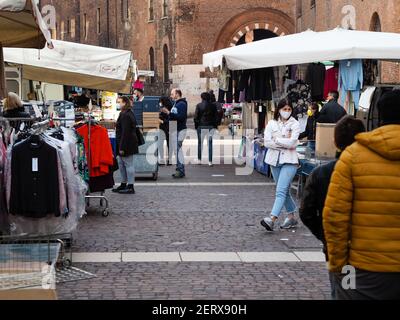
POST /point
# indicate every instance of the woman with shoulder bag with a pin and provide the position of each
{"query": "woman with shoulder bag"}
(127, 146)
(281, 138)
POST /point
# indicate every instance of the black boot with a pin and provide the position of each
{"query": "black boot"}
(128, 190)
(121, 187)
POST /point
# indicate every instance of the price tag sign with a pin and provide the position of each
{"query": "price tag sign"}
(35, 165)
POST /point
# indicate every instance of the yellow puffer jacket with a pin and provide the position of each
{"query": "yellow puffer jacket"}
(362, 210)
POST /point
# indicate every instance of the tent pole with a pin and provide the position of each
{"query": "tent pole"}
(3, 88)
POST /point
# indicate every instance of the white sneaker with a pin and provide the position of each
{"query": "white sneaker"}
(268, 224)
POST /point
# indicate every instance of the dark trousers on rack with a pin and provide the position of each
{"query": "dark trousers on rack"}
(221, 96)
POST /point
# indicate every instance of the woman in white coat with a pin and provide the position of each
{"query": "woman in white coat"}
(281, 138)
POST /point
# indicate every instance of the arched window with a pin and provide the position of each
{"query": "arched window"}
(375, 23)
(166, 63)
(152, 63)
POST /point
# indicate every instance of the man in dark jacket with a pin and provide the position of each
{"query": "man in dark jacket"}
(316, 189)
(311, 128)
(205, 120)
(332, 112)
(178, 114)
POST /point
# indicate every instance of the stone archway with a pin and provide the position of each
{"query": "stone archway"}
(261, 18)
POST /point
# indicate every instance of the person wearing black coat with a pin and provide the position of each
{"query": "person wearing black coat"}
(165, 102)
(205, 119)
(316, 189)
(127, 146)
(332, 112)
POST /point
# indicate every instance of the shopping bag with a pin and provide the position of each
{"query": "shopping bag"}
(140, 137)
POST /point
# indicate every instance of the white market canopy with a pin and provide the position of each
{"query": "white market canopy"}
(308, 47)
(75, 64)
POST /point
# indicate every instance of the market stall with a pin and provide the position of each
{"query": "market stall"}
(355, 54)
(21, 26)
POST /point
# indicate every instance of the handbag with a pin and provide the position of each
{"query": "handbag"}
(140, 137)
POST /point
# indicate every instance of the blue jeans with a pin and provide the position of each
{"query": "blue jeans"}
(283, 176)
(201, 134)
(127, 169)
(180, 166)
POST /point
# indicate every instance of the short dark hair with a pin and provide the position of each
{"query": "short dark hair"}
(166, 102)
(389, 107)
(206, 96)
(346, 130)
(334, 94)
(283, 103)
(139, 90)
(314, 106)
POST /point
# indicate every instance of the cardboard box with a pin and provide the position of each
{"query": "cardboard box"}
(325, 141)
(28, 294)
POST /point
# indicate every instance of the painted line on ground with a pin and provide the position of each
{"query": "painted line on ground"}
(206, 184)
(181, 257)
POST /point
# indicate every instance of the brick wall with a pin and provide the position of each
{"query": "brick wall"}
(328, 15)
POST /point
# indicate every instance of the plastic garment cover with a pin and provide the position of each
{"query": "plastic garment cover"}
(75, 189)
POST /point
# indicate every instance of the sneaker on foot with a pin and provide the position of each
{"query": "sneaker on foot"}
(268, 224)
(289, 223)
(210, 164)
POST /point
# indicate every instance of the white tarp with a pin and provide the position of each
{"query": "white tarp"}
(75, 64)
(307, 47)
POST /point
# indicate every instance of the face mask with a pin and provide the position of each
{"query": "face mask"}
(118, 106)
(310, 113)
(285, 115)
(161, 105)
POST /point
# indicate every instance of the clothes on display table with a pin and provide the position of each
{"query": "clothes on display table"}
(351, 79)
(101, 153)
(331, 81)
(315, 77)
(259, 84)
(43, 187)
(299, 94)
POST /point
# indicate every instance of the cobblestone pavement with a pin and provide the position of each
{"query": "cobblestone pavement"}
(202, 281)
(172, 217)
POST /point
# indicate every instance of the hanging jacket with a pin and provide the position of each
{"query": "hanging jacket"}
(362, 211)
(281, 139)
(315, 77)
(125, 133)
(34, 180)
(101, 153)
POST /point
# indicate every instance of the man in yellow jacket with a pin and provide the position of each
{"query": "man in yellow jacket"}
(361, 217)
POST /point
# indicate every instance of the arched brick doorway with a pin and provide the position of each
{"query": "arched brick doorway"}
(275, 21)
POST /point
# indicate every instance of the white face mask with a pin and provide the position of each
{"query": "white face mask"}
(285, 115)
(161, 105)
(118, 106)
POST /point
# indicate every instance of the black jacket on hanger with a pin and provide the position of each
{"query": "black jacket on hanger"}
(258, 83)
(34, 179)
(315, 77)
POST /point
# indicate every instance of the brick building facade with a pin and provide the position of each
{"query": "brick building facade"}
(170, 36)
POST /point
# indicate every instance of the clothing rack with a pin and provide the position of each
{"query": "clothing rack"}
(103, 199)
